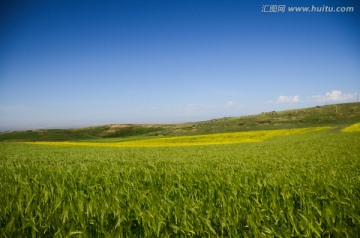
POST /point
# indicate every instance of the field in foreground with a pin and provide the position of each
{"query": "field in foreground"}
(298, 185)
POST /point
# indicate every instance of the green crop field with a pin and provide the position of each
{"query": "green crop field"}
(298, 185)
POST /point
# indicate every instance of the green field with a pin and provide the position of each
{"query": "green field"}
(299, 185)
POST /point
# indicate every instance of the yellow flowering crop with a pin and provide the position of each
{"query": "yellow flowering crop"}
(352, 128)
(210, 139)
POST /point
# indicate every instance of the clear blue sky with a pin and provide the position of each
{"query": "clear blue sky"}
(78, 63)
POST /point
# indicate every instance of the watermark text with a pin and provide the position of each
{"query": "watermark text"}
(310, 9)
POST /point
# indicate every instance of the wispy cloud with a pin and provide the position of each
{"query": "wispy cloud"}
(333, 96)
(288, 99)
(231, 104)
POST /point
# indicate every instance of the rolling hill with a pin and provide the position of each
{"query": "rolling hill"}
(338, 115)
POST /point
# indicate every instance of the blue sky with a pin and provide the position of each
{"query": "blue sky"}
(80, 63)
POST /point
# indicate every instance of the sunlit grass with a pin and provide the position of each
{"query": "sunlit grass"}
(352, 128)
(210, 139)
(303, 185)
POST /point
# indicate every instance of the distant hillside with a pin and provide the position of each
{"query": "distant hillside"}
(338, 115)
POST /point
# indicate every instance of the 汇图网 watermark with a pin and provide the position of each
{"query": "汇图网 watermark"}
(313, 8)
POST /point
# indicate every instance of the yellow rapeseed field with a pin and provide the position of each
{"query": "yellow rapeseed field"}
(210, 139)
(352, 128)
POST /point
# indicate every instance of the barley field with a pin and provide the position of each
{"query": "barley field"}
(295, 185)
